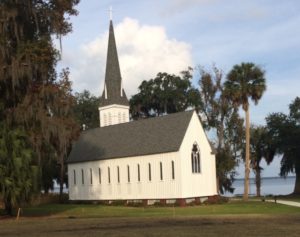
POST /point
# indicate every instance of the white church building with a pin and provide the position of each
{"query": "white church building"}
(163, 158)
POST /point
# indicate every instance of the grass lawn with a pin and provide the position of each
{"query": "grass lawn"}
(236, 218)
(98, 211)
(294, 198)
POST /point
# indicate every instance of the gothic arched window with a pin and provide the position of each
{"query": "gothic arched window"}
(195, 159)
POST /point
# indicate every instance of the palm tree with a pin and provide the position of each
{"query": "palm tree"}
(261, 147)
(245, 81)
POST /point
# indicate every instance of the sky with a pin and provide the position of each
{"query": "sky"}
(169, 35)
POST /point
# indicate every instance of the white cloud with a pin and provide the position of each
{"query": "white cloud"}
(143, 52)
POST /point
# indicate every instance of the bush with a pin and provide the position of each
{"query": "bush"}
(217, 199)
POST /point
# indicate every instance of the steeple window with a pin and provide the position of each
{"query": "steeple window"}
(109, 118)
(119, 117)
(105, 119)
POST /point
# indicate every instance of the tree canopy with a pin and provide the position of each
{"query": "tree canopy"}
(221, 118)
(32, 99)
(285, 132)
(165, 94)
(86, 109)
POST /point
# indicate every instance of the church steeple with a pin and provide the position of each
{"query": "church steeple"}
(113, 92)
(114, 105)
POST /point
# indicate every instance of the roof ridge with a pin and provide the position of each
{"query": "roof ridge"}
(143, 120)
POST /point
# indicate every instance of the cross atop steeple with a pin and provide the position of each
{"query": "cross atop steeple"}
(110, 13)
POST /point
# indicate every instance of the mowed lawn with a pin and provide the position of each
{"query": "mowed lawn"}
(231, 219)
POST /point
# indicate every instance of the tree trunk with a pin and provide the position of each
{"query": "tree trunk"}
(221, 136)
(61, 181)
(218, 184)
(297, 183)
(247, 158)
(257, 180)
(8, 206)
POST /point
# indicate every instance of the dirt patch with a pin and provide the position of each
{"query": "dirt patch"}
(177, 226)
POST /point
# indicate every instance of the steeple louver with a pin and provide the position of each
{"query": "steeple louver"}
(113, 92)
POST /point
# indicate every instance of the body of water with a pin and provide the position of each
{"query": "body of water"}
(269, 186)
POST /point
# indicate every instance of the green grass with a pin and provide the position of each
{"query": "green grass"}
(237, 218)
(292, 197)
(92, 210)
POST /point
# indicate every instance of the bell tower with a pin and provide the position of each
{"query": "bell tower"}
(114, 105)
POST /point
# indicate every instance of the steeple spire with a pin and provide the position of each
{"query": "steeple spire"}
(114, 106)
(113, 92)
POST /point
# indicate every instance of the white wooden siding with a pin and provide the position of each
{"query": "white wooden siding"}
(203, 183)
(143, 189)
(113, 114)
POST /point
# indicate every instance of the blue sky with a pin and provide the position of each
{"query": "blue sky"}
(169, 35)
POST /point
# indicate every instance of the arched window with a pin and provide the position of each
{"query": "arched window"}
(108, 172)
(99, 175)
(173, 170)
(128, 173)
(149, 169)
(91, 176)
(161, 170)
(195, 159)
(138, 171)
(118, 173)
(82, 176)
(74, 176)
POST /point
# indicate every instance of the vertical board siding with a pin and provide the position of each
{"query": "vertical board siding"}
(135, 170)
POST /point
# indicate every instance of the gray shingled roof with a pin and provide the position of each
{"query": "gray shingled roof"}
(113, 80)
(142, 137)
